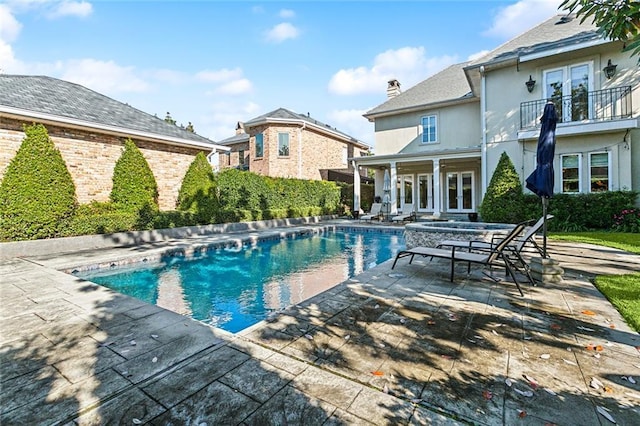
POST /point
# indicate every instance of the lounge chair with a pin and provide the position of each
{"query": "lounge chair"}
(407, 213)
(375, 213)
(496, 256)
(517, 245)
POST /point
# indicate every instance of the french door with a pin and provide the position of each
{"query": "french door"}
(568, 88)
(425, 192)
(460, 191)
(405, 190)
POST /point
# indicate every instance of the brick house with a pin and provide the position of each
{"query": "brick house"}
(89, 129)
(283, 143)
(440, 141)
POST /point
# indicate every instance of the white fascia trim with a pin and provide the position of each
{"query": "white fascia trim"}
(375, 160)
(111, 129)
(564, 49)
(572, 129)
(307, 123)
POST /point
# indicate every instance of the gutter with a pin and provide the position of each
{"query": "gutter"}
(119, 131)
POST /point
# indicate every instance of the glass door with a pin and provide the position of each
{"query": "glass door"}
(405, 190)
(425, 192)
(460, 192)
(568, 88)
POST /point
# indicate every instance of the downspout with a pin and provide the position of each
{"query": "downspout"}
(483, 118)
(304, 125)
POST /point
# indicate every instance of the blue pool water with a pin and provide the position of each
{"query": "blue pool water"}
(234, 289)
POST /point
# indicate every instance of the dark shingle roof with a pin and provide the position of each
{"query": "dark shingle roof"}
(65, 100)
(449, 84)
(556, 32)
(282, 114)
(242, 137)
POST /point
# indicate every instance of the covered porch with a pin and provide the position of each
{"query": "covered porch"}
(446, 182)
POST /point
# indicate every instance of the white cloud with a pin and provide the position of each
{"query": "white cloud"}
(9, 25)
(81, 9)
(103, 76)
(287, 14)
(235, 87)
(220, 75)
(282, 32)
(517, 18)
(351, 122)
(220, 118)
(409, 65)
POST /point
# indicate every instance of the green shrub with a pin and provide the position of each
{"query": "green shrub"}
(100, 218)
(197, 193)
(134, 186)
(504, 200)
(37, 193)
(583, 212)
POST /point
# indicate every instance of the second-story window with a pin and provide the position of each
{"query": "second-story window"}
(568, 87)
(429, 129)
(345, 155)
(259, 145)
(241, 157)
(283, 144)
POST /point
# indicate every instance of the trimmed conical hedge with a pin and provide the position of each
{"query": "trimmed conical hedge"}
(197, 193)
(134, 186)
(37, 193)
(504, 200)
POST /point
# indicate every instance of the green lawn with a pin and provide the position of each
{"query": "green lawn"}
(623, 291)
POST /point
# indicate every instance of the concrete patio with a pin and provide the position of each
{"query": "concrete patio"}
(402, 346)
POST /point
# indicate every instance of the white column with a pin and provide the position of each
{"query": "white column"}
(437, 191)
(378, 183)
(393, 173)
(356, 187)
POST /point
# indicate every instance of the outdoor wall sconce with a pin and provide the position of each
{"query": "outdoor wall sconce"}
(530, 84)
(609, 70)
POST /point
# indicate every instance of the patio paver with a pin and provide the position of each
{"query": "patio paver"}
(402, 346)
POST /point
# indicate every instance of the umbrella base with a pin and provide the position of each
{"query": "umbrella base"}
(546, 270)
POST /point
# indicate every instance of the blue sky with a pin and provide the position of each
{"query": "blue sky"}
(215, 63)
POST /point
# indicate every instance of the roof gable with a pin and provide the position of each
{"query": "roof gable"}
(63, 100)
(449, 85)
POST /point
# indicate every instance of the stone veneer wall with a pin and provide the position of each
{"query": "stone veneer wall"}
(91, 156)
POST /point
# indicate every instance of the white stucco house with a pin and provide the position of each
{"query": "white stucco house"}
(441, 140)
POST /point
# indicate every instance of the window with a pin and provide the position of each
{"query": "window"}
(345, 155)
(599, 171)
(283, 144)
(241, 157)
(570, 173)
(568, 88)
(259, 145)
(429, 129)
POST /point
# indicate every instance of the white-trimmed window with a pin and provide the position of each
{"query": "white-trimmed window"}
(599, 171)
(429, 126)
(571, 166)
(568, 87)
(283, 144)
(345, 155)
(259, 145)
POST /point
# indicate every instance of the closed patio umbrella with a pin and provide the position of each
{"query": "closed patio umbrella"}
(540, 182)
(386, 189)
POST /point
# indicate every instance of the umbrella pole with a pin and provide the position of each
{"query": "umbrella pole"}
(545, 203)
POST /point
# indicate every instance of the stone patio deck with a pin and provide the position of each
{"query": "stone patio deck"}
(402, 346)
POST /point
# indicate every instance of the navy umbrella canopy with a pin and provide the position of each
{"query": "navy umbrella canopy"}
(540, 182)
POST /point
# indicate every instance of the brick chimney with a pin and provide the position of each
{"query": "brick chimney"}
(393, 89)
(240, 128)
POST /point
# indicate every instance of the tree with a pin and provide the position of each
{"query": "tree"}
(504, 200)
(616, 19)
(197, 193)
(134, 186)
(169, 119)
(37, 193)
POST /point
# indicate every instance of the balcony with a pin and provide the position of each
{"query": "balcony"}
(581, 107)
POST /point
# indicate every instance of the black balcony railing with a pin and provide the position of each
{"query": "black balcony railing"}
(601, 105)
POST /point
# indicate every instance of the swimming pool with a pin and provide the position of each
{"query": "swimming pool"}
(235, 288)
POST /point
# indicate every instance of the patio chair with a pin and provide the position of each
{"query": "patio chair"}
(407, 213)
(517, 246)
(374, 213)
(496, 256)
